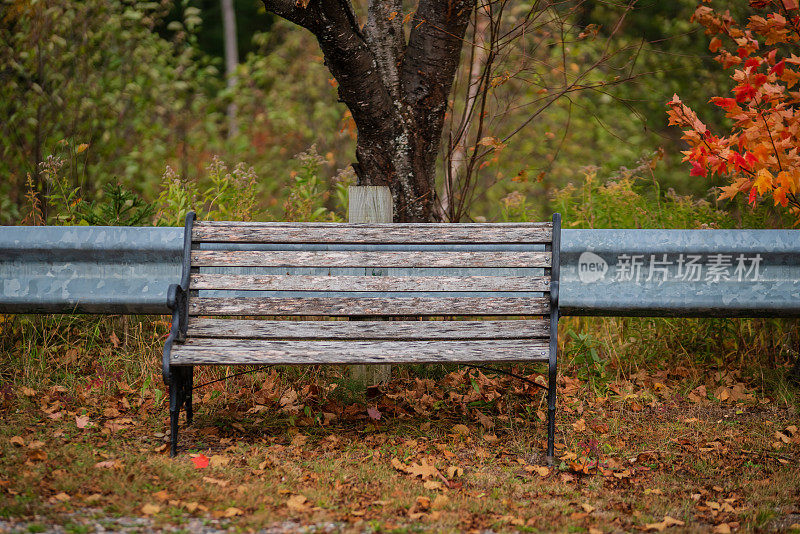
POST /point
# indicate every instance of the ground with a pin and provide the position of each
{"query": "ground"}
(461, 451)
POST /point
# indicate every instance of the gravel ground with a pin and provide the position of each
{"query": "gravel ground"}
(95, 525)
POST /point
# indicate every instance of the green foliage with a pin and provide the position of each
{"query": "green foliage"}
(306, 198)
(176, 199)
(583, 352)
(632, 198)
(93, 71)
(516, 207)
(231, 195)
(117, 207)
(64, 203)
(309, 197)
(219, 195)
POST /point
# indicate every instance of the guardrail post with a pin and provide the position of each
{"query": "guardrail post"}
(370, 204)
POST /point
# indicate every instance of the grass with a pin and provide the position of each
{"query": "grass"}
(453, 450)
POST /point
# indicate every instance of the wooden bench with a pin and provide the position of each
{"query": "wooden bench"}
(434, 279)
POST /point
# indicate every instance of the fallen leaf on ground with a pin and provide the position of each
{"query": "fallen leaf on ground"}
(17, 441)
(424, 470)
(432, 485)
(782, 437)
(722, 528)
(232, 512)
(200, 461)
(665, 524)
(454, 471)
(218, 460)
(373, 413)
(297, 503)
(63, 497)
(81, 421)
(485, 421)
(699, 395)
(540, 470)
(150, 509)
(579, 425)
(37, 455)
(461, 430)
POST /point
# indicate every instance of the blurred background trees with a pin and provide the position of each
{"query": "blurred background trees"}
(116, 91)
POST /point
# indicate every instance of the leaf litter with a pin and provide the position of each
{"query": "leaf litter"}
(461, 453)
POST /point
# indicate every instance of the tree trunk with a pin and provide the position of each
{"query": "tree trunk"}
(231, 59)
(396, 90)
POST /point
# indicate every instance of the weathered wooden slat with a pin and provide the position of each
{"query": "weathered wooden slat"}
(368, 283)
(360, 306)
(388, 330)
(385, 226)
(366, 234)
(237, 351)
(353, 258)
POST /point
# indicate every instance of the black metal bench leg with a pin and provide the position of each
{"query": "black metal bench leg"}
(551, 416)
(175, 398)
(188, 385)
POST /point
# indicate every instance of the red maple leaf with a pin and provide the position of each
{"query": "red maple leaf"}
(778, 68)
(200, 461)
(744, 92)
(725, 103)
(698, 170)
(752, 62)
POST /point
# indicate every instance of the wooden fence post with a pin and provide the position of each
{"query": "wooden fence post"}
(370, 204)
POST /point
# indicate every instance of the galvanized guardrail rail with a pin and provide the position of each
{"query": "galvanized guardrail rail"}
(708, 273)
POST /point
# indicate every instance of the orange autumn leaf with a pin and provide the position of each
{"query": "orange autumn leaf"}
(779, 195)
(787, 181)
(763, 181)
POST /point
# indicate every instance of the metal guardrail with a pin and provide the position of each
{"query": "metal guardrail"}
(709, 273)
(88, 269)
(681, 273)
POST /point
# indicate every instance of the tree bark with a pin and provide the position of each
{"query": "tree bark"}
(231, 59)
(397, 91)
